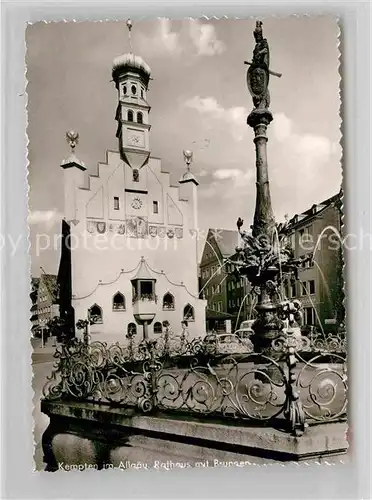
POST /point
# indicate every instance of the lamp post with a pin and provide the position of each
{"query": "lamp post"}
(42, 326)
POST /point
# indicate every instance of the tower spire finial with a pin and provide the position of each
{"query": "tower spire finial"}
(73, 139)
(129, 26)
(187, 156)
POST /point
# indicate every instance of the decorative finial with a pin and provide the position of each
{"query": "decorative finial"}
(129, 26)
(73, 139)
(187, 156)
(258, 30)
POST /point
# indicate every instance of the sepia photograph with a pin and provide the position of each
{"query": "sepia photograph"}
(186, 242)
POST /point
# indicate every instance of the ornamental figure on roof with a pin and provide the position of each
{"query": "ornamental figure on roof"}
(259, 70)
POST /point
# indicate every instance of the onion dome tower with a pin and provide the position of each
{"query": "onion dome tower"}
(131, 75)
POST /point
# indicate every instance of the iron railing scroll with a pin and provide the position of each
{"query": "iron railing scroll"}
(305, 383)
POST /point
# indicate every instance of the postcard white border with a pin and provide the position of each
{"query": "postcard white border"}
(289, 481)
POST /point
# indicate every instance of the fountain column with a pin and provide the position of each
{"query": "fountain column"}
(262, 267)
(263, 222)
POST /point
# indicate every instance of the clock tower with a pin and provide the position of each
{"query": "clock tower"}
(131, 75)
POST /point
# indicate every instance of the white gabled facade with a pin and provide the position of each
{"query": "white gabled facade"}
(133, 234)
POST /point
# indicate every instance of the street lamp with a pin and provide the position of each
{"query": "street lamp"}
(42, 324)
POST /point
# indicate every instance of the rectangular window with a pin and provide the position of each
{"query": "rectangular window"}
(309, 316)
(311, 286)
(293, 290)
(155, 206)
(116, 203)
(304, 289)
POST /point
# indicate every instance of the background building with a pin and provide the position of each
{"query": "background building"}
(240, 300)
(33, 297)
(315, 232)
(45, 300)
(320, 286)
(219, 245)
(134, 247)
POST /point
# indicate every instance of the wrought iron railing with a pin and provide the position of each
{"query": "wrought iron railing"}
(300, 383)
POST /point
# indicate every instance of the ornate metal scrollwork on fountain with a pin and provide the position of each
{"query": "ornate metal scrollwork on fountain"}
(175, 374)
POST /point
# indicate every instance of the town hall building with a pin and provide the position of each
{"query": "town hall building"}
(129, 260)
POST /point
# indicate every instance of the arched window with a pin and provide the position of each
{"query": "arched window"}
(124, 89)
(139, 117)
(158, 328)
(142, 92)
(132, 329)
(168, 301)
(95, 314)
(134, 90)
(188, 313)
(130, 115)
(135, 175)
(118, 302)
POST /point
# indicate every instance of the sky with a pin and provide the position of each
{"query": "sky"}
(199, 101)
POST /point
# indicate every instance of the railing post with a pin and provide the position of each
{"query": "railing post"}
(293, 412)
(150, 366)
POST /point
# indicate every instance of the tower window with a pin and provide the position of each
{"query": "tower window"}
(139, 117)
(142, 92)
(135, 175)
(130, 115)
(124, 89)
(116, 203)
(155, 206)
(134, 89)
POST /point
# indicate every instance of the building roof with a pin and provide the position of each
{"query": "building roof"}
(73, 161)
(34, 285)
(315, 209)
(226, 239)
(130, 62)
(50, 281)
(188, 177)
(143, 272)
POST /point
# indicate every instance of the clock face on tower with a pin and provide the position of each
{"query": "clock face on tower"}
(136, 139)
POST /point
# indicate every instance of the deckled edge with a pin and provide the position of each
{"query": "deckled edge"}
(341, 142)
(342, 207)
(27, 172)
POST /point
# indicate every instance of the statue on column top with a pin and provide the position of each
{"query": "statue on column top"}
(259, 70)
